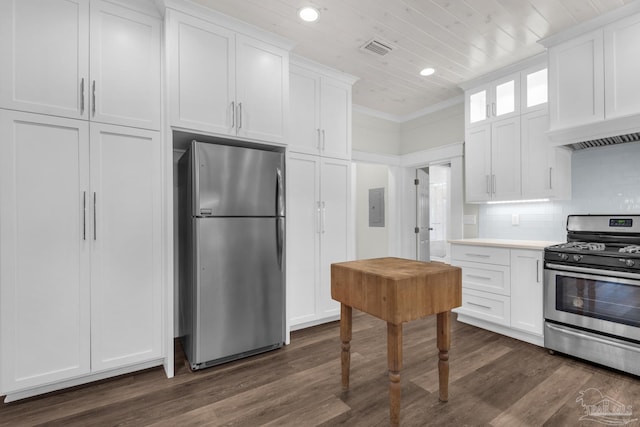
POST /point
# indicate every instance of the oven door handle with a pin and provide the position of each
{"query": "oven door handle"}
(592, 271)
(612, 342)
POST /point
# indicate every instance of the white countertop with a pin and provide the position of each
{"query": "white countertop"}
(506, 243)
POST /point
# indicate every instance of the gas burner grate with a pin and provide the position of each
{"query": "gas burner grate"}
(632, 249)
(588, 246)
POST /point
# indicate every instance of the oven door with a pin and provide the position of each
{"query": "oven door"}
(593, 299)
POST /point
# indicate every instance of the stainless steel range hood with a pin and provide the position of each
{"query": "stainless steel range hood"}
(601, 142)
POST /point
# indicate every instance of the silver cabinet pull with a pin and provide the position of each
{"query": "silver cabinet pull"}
(478, 305)
(550, 178)
(233, 114)
(318, 219)
(93, 94)
(473, 276)
(324, 140)
(493, 184)
(537, 271)
(318, 139)
(239, 115)
(324, 217)
(82, 96)
(95, 232)
(84, 215)
(488, 188)
(478, 255)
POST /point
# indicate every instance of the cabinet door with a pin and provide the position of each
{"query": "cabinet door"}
(526, 290)
(125, 236)
(125, 67)
(505, 159)
(621, 67)
(335, 116)
(477, 105)
(506, 97)
(262, 90)
(44, 250)
(44, 46)
(477, 158)
(201, 75)
(335, 230)
(304, 129)
(303, 237)
(576, 81)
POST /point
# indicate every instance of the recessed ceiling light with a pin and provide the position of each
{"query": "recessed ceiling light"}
(309, 14)
(427, 71)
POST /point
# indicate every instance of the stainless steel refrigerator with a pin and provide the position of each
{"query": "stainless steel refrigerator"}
(231, 237)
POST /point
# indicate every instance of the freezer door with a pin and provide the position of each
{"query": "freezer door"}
(237, 181)
(240, 286)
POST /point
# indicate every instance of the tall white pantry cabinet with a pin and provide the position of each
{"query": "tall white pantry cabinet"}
(81, 246)
(318, 188)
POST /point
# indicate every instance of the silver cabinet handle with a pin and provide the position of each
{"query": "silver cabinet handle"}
(93, 94)
(537, 271)
(550, 178)
(239, 115)
(95, 232)
(488, 188)
(84, 215)
(473, 276)
(324, 140)
(479, 305)
(324, 217)
(318, 139)
(82, 96)
(478, 255)
(493, 184)
(318, 219)
(233, 114)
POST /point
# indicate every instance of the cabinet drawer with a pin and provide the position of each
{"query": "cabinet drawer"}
(484, 254)
(486, 277)
(490, 307)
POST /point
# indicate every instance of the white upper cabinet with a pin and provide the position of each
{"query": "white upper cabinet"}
(496, 100)
(576, 81)
(320, 111)
(593, 77)
(224, 82)
(202, 75)
(80, 59)
(534, 89)
(125, 67)
(45, 56)
(622, 67)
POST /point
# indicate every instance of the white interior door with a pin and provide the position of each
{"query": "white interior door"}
(422, 215)
(439, 209)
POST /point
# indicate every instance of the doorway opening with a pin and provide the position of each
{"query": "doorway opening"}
(433, 206)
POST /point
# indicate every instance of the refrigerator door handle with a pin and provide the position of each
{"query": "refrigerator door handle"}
(279, 193)
(279, 240)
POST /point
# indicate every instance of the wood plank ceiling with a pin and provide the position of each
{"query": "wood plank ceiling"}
(461, 39)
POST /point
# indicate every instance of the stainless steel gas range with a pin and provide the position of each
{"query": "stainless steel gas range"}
(592, 291)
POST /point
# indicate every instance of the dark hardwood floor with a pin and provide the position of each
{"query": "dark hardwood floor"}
(494, 381)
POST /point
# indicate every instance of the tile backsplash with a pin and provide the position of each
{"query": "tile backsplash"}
(605, 180)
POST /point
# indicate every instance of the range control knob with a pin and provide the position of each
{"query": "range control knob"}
(629, 263)
(577, 258)
(563, 257)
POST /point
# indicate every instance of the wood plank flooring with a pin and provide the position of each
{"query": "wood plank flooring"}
(494, 381)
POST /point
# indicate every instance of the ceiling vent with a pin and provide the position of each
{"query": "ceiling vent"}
(377, 46)
(601, 142)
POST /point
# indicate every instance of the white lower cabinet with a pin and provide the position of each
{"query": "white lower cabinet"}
(318, 232)
(80, 254)
(501, 289)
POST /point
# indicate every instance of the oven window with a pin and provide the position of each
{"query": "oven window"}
(616, 302)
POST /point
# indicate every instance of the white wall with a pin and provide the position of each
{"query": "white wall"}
(442, 127)
(371, 242)
(604, 180)
(374, 135)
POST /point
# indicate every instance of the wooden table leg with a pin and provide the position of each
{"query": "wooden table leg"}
(444, 342)
(394, 359)
(345, 337)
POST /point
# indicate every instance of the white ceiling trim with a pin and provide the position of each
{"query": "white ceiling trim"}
(408, 117)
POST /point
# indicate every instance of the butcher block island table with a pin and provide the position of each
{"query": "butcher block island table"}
(397, 290)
